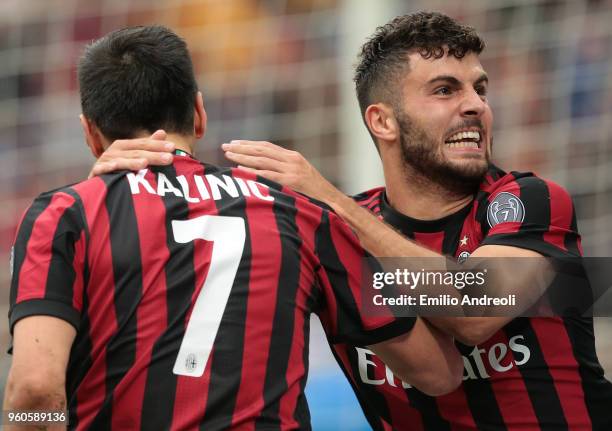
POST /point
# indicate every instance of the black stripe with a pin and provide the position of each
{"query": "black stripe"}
(571, 238)
(450, 242)
(427, 407)
(127, 273)
(61, 275)
(80, 357)
(481, 212)
(372, 401)
(275, 384)
(21, 242)
(227, 356)
(538, 380)
(597, 390)
(160, 387)
(536, 198)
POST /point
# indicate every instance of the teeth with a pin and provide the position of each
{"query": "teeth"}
(463, 144)
(465, 135)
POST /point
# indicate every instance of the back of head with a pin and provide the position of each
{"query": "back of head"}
(138, 79)
(384, 57)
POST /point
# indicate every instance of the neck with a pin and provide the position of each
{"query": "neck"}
(182, 142)
(415, 196)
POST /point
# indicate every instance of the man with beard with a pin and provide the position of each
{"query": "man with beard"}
(423, 96)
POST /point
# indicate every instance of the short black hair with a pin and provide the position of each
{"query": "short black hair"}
(384, 56)
(138, 79)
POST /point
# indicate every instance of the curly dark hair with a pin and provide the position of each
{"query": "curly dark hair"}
(384, 56)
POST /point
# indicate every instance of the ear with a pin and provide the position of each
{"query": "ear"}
(93, 137)
(381, 121)
(199, 116)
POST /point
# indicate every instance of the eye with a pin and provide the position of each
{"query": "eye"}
(443, 91)
(481, 90)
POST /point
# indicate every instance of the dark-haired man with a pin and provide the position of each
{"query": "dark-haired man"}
(179, 297)
(423, 96)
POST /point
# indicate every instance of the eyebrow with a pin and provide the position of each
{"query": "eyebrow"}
(454, 81)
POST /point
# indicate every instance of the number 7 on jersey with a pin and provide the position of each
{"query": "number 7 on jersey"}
(228, 237)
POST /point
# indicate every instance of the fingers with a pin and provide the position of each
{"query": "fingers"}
(101, 168)
(152, 157)
(270, 175)
(257, 162)
(144, 144)
(257, 148)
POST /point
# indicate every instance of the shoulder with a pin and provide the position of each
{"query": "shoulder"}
(527, 186)
(66, 203)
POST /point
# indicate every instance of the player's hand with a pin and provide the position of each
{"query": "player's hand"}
(275, 163)
(134, 154)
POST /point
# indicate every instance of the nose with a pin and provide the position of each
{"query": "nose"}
(473, 104)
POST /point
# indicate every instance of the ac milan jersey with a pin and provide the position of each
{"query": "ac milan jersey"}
(191, 288)
(535, 373)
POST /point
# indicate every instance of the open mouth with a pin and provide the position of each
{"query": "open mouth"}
(465, 139)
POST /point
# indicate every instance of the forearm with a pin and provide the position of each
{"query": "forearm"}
(28, 396)
(380, 239)
(468, 330)
(426, 358)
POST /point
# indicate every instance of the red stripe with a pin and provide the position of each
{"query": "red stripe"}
(264, 276)
(509, 387)
(92, 390)
(306, 216)
(77, 265)
(559, 356)
(191, 393)
(151, 311)
(455, 409)
(35, 268)
(561, 210)
(431, 240)
(506, 227)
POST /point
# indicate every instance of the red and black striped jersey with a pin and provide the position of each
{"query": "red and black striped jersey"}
(535, 373)
(191, 288)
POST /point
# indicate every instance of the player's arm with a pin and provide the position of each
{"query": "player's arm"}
(45, 300)
(414, 350)
(37, 378)
(425, 357)
(291, 169)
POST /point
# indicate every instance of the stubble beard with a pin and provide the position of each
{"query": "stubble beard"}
(422, 158)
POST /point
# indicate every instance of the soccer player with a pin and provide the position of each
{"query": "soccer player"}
(423, 96)
(179, 297)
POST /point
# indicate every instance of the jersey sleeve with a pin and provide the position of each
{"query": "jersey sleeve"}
(534, 214)
(47, 268)
(341, 263)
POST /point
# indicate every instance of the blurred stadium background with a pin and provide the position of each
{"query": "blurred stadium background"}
(280, 70)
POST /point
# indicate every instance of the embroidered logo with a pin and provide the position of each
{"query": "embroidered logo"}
(506, 207)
